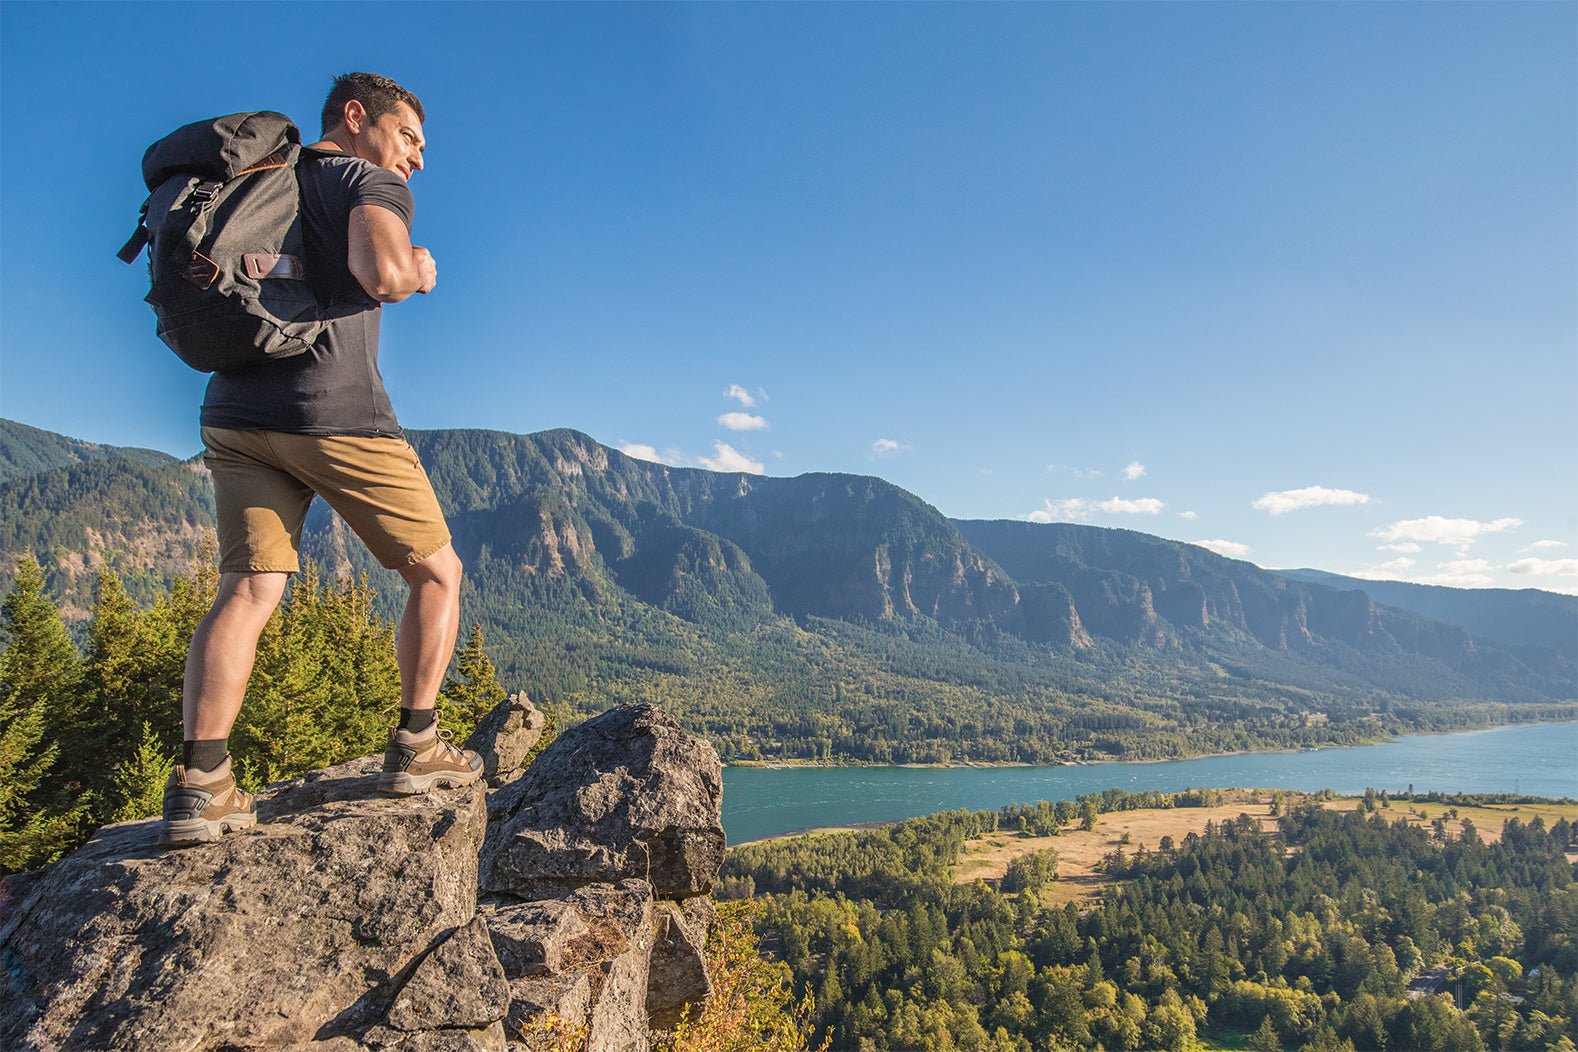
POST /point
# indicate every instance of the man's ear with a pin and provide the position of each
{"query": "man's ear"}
(355, 117)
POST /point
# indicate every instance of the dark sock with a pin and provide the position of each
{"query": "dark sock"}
(416, 720)
(204, 754)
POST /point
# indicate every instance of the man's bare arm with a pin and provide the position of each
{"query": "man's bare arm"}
(383, 259)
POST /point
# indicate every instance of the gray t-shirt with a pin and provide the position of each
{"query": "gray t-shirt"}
(335, 388)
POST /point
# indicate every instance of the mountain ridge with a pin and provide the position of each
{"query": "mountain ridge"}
(824, 612)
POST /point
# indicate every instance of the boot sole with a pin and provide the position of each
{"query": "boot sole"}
(203, 831)
(401, 783)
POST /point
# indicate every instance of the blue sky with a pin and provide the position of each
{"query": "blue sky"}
(1295, 279)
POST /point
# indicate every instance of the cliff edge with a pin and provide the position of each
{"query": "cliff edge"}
(351, 920)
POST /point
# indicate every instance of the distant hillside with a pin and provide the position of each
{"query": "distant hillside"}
(1526, 616)
(28, 450)
(837, 615)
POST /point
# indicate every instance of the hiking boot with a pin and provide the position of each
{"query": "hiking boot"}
(200, 807)
(416, 763)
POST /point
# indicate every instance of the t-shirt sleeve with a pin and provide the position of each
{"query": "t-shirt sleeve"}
(372, 185)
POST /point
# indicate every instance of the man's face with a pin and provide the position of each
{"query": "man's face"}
(394, 141)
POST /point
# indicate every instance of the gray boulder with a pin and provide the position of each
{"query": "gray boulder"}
(624, 795)
(505, 737)
(677, 975)
(298, 932)
(598, 981)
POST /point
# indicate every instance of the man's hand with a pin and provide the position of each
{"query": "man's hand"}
(428, 268)
(382, 258)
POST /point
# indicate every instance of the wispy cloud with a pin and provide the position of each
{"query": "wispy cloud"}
(887, 447)
(1545, 545)
(1546, 567)
(1191, 516)
(1434, 529)
(726, 458)
(1406, 547)
(1080, 508)
(1391, 570)
(1281, 502)
(1460, 573)
(1231, 549)
(741, 395)
(1134, 470)
(742, 422)
(641, 451)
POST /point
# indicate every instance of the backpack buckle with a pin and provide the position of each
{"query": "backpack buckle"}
(205, 192)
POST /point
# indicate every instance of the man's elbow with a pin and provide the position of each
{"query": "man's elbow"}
(385, 286)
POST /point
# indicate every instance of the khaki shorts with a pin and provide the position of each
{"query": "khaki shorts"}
(264, 481)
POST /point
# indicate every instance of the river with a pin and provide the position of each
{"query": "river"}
(1539, 759)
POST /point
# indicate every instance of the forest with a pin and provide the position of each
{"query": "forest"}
(89, 734)
(1335, 930)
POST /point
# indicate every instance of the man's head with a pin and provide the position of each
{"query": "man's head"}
(374, 118)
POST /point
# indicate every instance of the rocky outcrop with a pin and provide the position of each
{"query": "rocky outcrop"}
(351, 920)
(505, 737)
(625, 795)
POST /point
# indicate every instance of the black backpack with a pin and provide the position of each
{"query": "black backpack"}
(226, 256)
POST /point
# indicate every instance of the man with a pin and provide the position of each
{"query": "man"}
(321, 423)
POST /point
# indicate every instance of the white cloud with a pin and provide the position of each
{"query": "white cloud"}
(1283, 501)
(1231, 549)
(742, 422)
(1459, 573)
(641, 452)
(1407, 547)
(887, 447)
(740, 394)
(1087, 473)
(1546, 544)
(1191, 516)
(1437, 530)
(1546, 567)
(727, 458)
(1080, 508)
(1134, 470)
(1143, 506)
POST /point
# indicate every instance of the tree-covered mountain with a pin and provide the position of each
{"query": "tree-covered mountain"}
(28, 450)
(836, 615)
(1516, 616)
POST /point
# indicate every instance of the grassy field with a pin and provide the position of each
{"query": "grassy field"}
(1487, 820)
(1080, 852)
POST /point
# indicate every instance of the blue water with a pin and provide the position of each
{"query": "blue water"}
(1539, 759)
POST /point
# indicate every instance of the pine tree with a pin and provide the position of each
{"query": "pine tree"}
(473, 691)
(138, 785)
(40, 672)
(1265, 1039)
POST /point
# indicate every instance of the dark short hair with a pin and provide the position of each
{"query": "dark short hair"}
(377, 94)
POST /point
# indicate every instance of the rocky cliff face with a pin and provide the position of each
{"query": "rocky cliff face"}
(349, 920)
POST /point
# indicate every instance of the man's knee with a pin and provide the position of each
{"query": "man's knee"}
(259, 591)
(442, 568)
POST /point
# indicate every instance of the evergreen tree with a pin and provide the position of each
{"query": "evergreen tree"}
(138, 785)
(1265, 1039)
(473, 691)
(40, 672)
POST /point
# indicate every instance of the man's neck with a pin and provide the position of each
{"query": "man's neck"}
(336, 141)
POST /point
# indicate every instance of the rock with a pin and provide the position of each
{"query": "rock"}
(459, 984)
(677, 976)
(530, 938)
(505, 737)
(295, 933)
(624, 795)
(598, 979)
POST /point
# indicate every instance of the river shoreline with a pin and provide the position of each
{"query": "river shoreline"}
(820, 765)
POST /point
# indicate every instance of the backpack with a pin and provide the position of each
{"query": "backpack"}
(226, 255)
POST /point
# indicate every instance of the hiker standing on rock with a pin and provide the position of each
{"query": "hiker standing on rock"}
(321, 423)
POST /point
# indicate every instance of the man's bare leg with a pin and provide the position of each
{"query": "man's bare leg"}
(418, 758)
(223, 650)
(428, 627)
